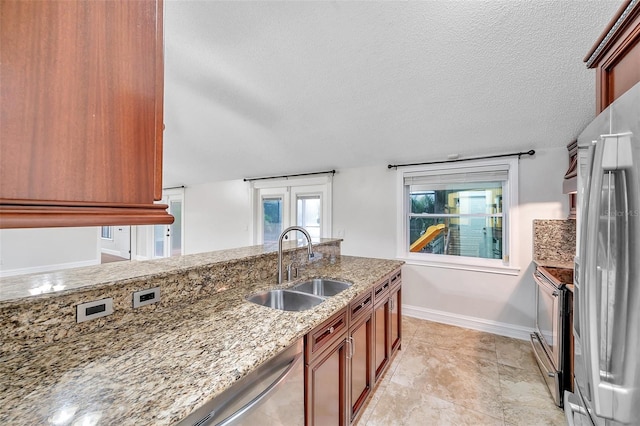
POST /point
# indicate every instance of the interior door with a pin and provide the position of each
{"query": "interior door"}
(116, 241)
(168, 240)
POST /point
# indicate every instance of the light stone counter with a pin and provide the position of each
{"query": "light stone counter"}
(554, 242)
(168, 362)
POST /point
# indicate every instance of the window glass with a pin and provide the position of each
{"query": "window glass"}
(272, 219)
(462, 220)
(107, 232)
(308, 211)
(458, 215)
(175, 208)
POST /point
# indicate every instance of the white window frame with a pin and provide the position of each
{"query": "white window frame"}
(290, 188)
(108, 235)
(507, 265)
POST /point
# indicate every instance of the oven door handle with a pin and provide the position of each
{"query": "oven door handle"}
(548, 287)
(549, 372)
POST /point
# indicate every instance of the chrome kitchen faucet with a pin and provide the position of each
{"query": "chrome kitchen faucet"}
(309, 247)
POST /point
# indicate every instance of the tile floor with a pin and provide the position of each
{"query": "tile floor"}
(446, 375)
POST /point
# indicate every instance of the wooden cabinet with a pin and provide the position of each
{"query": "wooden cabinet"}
(381, 318)
(388, 321)
(326, 351)
(616, 56)
(81, 113)
(395, 312)
(381, 338)
(345, 355)
(360, 372)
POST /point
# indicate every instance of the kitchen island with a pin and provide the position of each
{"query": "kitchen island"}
(160, 366)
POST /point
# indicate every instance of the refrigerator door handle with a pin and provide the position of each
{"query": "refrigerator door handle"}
(612, 155)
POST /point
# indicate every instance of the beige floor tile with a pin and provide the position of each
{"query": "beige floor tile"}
(471, 382)
(379, 387)
(446, 375)
(410, 326)
(401, 405)
(526, 398)
(461, 340)
(515, 352)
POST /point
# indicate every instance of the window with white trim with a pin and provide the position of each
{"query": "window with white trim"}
(459, 215)
(280, 203)
(106, 233)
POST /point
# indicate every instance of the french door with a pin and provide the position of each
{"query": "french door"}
(305, 203)
(168, 240)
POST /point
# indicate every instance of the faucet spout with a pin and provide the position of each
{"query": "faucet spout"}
(285, 232)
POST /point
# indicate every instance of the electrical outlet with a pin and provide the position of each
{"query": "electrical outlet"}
(95, 309)
(146, 297)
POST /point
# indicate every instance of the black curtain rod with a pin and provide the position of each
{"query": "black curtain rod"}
(174, 187)
(519, 154)
(333, 172)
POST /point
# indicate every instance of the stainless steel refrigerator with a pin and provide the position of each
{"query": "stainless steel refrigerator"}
(607, 270)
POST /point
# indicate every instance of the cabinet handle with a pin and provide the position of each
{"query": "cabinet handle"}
(391, 303)
(349, 341)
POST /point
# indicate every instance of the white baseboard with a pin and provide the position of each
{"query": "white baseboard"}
(115, 253)
(480, 324)
(48, 268)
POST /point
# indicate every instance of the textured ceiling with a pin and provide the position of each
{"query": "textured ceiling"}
(262, 88)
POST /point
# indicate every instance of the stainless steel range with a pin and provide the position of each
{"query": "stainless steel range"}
(552, 336)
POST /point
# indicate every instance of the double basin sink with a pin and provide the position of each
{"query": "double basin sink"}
(300, 297)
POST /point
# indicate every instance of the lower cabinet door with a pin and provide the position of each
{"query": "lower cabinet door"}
(326, 387)
(360, 363)
(395, 318)
(381, 338)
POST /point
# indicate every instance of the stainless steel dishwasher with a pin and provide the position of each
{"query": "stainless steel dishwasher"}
(273, 394)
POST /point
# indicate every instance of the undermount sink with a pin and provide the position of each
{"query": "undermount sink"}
(322, 287)
(286, 300)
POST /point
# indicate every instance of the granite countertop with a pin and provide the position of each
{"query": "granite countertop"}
(159, 370)
(554, 263)
(70, 280)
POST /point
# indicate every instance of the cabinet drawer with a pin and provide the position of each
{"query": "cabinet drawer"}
(325, 334)
(360, 306)
(381, 291)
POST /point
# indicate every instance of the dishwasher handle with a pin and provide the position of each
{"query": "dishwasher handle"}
(263, 395)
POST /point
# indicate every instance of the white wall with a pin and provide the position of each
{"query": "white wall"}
(217, 216)
(364, 209)
(24, 251)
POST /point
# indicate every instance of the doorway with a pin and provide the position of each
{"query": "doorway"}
(115, 243)
(168, 240)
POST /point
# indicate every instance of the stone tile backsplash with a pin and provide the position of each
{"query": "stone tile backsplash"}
(554, 242)
(37, 320)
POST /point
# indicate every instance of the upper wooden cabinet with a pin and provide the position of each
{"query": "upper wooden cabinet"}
(81, 113)
(616, 56)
